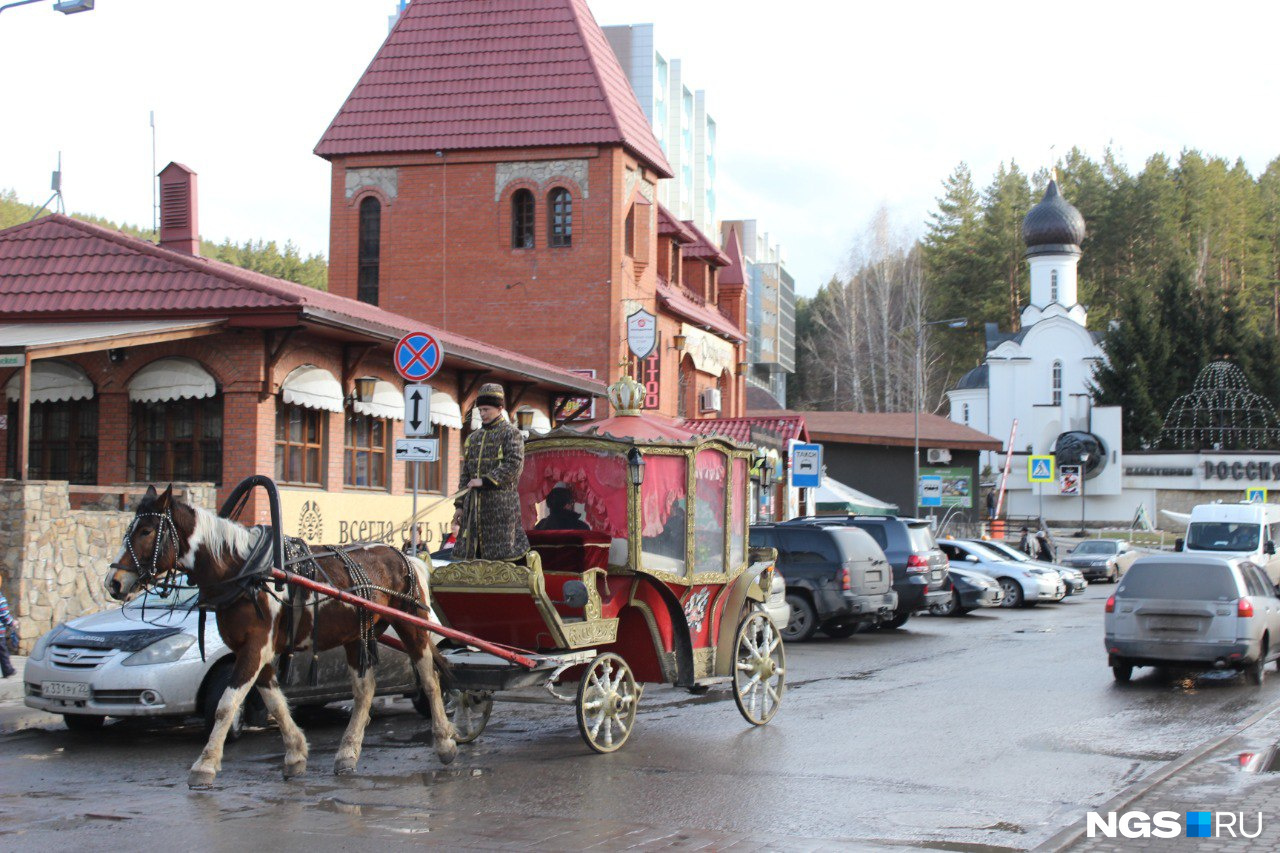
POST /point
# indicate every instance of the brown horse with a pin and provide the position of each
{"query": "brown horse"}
(168, 537)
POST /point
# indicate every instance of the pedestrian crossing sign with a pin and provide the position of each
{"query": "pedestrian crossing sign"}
(1255, 496)
(1040, 469)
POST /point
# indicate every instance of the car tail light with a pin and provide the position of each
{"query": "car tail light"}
(845, 584)
(917, 564)
(1244, 608)
(1111, 604)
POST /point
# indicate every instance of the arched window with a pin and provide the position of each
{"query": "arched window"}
(560, 222)
(684, 387)
(966, 414)
(1057, 383)
(522, 219)
(370, 248)
(1053, 285)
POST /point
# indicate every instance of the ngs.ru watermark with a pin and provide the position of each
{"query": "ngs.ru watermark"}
(1172, 825)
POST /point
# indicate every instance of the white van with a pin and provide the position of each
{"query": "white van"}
(1245, 530)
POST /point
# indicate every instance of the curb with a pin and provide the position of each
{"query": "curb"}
(1066, 838)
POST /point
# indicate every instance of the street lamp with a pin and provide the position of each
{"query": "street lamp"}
(66, 7)
(953, 323)
(1084, 465)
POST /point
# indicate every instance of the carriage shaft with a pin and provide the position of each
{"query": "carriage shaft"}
(394, 616)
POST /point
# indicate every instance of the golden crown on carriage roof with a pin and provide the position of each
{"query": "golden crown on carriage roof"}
(626, 396)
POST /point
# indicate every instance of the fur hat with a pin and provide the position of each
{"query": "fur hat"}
(491, 394)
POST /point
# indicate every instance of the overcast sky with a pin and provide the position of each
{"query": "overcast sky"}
(825, 110)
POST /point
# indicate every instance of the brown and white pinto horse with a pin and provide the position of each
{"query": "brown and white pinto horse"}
(169, 537)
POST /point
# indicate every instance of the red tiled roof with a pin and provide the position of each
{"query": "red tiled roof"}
(61, 268)
(467, 74)
(739, 429)
(893, 428)
(734, 274)
(704, 248)
(669, 226)
(676, 302)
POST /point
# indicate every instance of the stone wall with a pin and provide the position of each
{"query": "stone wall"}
(1182, 500)
(53, 558)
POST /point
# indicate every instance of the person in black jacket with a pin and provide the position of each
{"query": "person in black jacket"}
(561, 514)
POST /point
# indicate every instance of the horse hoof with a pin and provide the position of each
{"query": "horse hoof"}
(344, 767)
(294, 768)
(200, 780)
(447, 752)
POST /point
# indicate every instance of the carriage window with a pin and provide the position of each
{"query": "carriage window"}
(64, 441)
(663, 511)
(709, 511)
(365, 451)
(177, 440)
(597, 485)
(738, 515)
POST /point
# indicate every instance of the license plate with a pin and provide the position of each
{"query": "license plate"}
(65, 690)
(1174, 623)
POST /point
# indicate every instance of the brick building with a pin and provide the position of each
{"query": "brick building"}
(148, 364)
(494, 175)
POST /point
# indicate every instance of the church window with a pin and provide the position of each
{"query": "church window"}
(369, 249)
(966, 414)
(1057, 383)
(522, 219)
(1053, 285)
(560, 222)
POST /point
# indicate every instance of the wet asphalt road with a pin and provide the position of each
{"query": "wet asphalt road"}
(995, 729)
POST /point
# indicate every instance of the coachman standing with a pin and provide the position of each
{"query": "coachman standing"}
(488, 514)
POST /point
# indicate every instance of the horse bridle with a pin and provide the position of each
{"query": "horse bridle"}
(166, 534)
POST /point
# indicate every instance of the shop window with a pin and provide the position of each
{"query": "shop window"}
(177, 440)
(365, 451)
(432, 474)
(300, 456)
(522, 220)
(1057, 383)
(560, 222)
(63, 443)
(370, 249)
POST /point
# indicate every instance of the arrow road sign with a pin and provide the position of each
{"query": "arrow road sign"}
(417, 411)
(417, 449)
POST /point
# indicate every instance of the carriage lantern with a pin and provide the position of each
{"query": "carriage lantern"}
(365, 386)
(635, 466)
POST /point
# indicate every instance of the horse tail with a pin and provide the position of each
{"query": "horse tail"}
(419, 568)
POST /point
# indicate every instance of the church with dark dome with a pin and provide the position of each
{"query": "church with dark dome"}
(1038, 375)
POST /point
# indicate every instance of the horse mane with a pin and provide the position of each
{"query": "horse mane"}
(219, 535)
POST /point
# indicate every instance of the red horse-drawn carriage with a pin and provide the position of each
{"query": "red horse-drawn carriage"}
(640, 573)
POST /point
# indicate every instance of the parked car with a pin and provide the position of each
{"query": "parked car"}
(836, 578)
(143, 660)
(969, 591)
(1195, 611)
(919, 567)
(1102, 559)
(1073, 578)
(1023, 585)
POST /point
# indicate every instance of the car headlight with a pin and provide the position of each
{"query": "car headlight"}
(42, 644)
(161, 651)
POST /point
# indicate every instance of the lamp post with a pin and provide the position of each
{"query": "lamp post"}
(953, 323)
(1084, 464)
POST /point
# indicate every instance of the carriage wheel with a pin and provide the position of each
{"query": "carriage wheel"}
(607, 700)
(760, 669)
(469, 711)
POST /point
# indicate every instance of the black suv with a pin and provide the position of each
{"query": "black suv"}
(837, 578)
(919, 566)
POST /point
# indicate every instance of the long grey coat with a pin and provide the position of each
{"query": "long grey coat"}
(490, 522)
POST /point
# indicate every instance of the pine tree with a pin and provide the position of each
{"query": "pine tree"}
(1137, 351)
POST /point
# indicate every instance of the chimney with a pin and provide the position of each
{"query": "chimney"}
(179, 228)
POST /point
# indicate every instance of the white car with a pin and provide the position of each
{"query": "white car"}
(143, 660)
(1023, 585)
(1072, 577)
